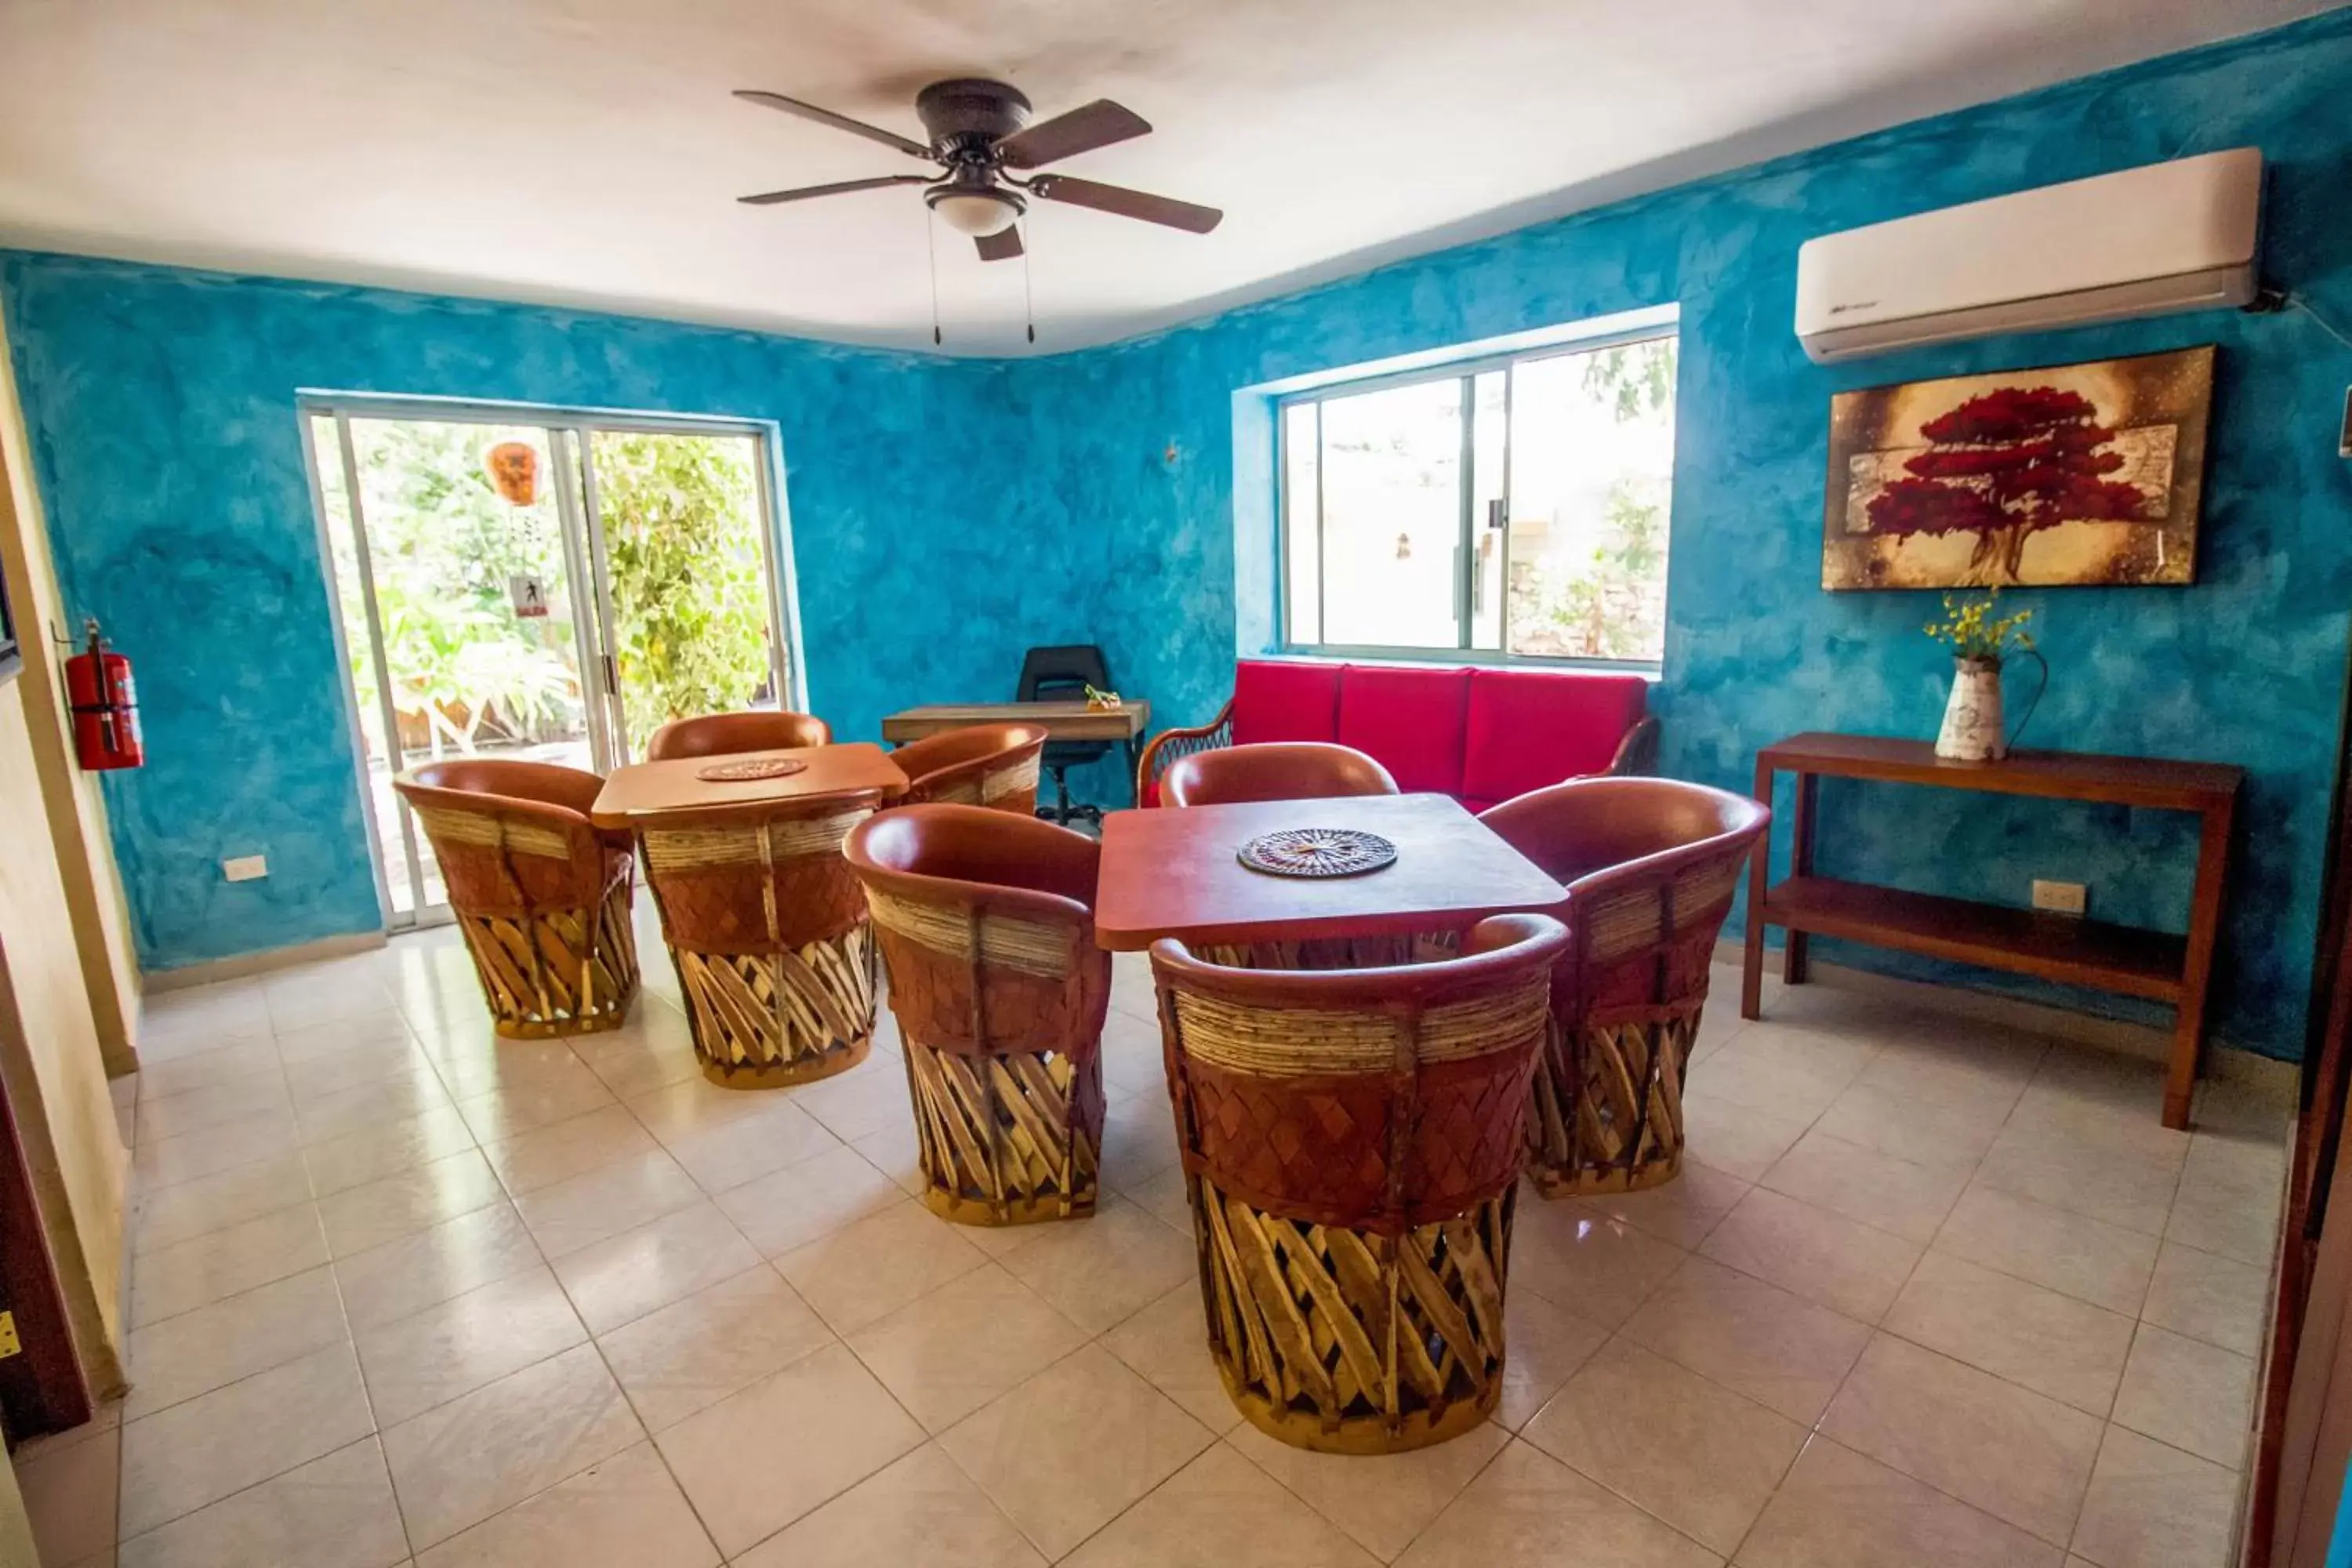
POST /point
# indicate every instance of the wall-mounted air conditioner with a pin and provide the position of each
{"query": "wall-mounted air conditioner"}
(2145, 242)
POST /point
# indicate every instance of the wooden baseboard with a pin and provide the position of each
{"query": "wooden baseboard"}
(250, 963)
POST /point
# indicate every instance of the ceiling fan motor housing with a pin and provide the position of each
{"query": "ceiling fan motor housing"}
(967, 113)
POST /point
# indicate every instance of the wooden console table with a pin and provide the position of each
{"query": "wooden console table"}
(2160, 966)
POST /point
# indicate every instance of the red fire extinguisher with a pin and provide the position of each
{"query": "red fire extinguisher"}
(105, 706)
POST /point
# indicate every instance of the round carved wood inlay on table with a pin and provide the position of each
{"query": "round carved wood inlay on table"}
(1317, 852)
(750, 770)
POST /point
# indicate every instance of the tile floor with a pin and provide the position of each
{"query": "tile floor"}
(1929, 1293)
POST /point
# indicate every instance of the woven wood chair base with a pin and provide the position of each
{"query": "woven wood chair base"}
(1607, 1116)
(769, 1020)
(556, 972)
(1006, 1140)
(1349, 1342)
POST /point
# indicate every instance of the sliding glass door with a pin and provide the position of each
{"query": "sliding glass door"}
(551, 592)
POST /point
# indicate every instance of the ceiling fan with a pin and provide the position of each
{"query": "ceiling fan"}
(980, 134)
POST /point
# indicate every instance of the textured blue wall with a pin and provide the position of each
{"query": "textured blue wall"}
(946, 514)
(2247, 666)
(162, 406)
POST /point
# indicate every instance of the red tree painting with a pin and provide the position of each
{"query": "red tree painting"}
(2004, 466)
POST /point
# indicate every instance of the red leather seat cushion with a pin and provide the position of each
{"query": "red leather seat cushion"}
(1279, 699)
(1409, 720)
(1531, 728)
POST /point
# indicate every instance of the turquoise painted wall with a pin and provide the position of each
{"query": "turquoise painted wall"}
(946, 514)
(2247, 666)
(161, 407)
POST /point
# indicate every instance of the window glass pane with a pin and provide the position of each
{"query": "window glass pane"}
(1302, 565)
(1490, 407)
(1592, 449)
(1393, 516)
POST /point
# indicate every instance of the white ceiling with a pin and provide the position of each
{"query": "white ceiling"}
(586, 152)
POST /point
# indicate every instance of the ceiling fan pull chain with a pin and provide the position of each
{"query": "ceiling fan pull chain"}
(1028, 300)
(931, 243)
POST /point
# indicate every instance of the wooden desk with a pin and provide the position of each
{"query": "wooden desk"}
(654, 789)
(1174, 872)
(1124, 725)
(2160, 966)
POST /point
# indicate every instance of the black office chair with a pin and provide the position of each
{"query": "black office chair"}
(1063, 674)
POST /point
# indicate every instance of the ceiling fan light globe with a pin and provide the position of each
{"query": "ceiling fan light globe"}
(975, 215)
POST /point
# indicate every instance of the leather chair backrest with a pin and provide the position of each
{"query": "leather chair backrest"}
(513, 838)
(980, 764)
(722, 734)
(1278, 769)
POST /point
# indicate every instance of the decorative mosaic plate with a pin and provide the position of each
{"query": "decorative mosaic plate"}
(747, 771)
(1317, 852)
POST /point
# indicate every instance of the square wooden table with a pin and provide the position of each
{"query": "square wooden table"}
(656, 789)
(1175, 871)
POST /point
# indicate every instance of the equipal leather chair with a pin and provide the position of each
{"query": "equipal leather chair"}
(1352, 1144)
(1274, 770)
(541, 896)
(1650, 865)
(986, 926)
(719, 734)
(769, 936)
(994, 765)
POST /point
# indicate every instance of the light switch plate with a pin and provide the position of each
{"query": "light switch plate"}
(246, 867)
(2061, 898)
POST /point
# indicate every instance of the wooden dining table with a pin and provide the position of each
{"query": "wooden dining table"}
(1177, 872)
(643, 790)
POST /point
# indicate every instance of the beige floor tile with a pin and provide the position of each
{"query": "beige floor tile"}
(623, 1512)
(196, 1273)
(1166, 1197)
(235, 1100)
(951, 1352)
(1218, 1511)
(864, 1101)
(70, 1494)
(1381, 1501)
(334, 1063)
(162, 1077)
(1954, 1131)
(1545, 1343)
(164, 1162)
(776, 1136)
(1526, 1510)
(475, 1064)
(617, 1281)
(1733, 1138)
(634, 1061)
(2071, 1254)
(1781, 1350)
(179, 1460)
(358, 1158)
(1877, 1189)
(2208, 1297)
(414, 1200)
(1792, 1073)
(1681, 1211)
(696, 1104)
(823, 1419)
(214, 1203)
(2228, 1199)
(865, 1271)
(1840, 1510)
(2053, 1344)
(2154, 1507)
(1069, 1450)
(808, 1200)
(721, 1339)
(432, 1357)
(2128, 1187)
(460, 1463)
(1168, 1343)
(1139, 1142)
(919, 1510)
(363, 1107)
(1101, 1270)
(406, 1276)
(1696, 1454)
(2188, 1394)
(214, 1346)
(557, 1094)
(896, 1153)
(1599, 1268)
(546, 1155)
(1848, 1267)
(2020, 1455)
(601, 1204)
(335, 1512)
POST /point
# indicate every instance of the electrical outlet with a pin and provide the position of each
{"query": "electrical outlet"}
(2061, 898)
(246, 867)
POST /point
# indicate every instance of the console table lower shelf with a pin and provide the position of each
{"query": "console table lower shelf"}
(2175, 968)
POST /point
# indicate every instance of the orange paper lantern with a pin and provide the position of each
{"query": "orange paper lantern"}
(514, 471)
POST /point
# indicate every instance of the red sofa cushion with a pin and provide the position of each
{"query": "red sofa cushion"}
(1529, 728)
(1410, 720)
(1283, 699)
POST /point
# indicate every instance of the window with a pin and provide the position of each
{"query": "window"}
(1510, 508)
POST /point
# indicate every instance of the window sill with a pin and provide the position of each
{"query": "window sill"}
(1443, 658)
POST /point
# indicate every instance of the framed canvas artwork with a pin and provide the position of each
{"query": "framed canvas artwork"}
(2071, 476)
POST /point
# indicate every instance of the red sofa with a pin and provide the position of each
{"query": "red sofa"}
(1480, 734)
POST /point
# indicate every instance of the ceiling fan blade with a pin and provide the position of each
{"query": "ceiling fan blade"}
(1118, 199)
(770, 198)
(1002, 247)
(1082, 130)
(838, 122)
